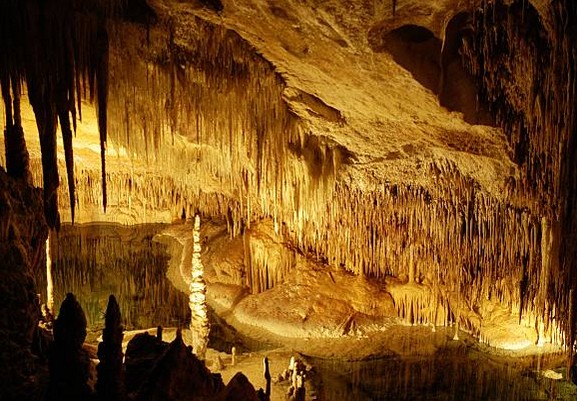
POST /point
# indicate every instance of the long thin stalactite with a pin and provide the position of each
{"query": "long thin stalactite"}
(60, 50)
(524, 63)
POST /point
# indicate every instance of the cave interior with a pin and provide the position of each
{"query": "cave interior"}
(375, 188)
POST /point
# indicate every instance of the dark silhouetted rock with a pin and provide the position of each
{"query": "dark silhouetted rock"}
(179, 375)
(238, 389)
(110, 383)
(142, 353)
(23, 234)
(68, 362)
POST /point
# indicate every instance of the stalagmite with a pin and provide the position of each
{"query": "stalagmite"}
(110, 383)
(456, 336)
(68, 362)
(199, 326)
(267, 378)
(49, 282)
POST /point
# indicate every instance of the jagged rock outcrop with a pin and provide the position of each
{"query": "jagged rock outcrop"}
(142, 353)
(178, 374)
(23, 233)
(156, 370)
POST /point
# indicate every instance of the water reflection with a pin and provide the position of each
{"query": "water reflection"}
(455, 372)
(96, 260)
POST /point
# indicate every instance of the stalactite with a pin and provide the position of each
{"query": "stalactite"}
(267, 260)
(523, 62)
(69, 156)
(17, 158)
(59, 49)
(101, 76)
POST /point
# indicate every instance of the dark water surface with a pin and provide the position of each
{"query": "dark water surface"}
(96, 260)
(454, 372)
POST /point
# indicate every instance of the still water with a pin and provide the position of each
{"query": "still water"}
(96, 260)
(453, 373)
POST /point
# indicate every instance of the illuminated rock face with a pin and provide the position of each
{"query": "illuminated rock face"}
(306, 119)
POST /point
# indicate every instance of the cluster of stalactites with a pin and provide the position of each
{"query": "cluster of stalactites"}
(211, 121)
(524, 64)
(267, 260)
(60, 50)
(212, 113)
(457, 239)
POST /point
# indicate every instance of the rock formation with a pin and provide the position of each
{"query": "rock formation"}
(23, 234)
(178, 374)
(68, 362)
(239, 388)
(141, 355)
(199, 325)
(316, 119)
(110, 383)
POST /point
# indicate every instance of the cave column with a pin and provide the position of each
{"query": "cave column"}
(199, 325)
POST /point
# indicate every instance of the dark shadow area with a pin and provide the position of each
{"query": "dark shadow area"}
(457, 89)
(437, 64)
(416, 49)
(216, 5)
(140, 12)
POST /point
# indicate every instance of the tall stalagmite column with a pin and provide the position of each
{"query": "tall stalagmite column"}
(110, 384)
(199, 325)
(49, 283)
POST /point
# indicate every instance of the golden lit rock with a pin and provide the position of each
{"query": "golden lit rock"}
(361, 168)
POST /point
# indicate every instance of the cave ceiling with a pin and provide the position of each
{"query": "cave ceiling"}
(347, 78)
